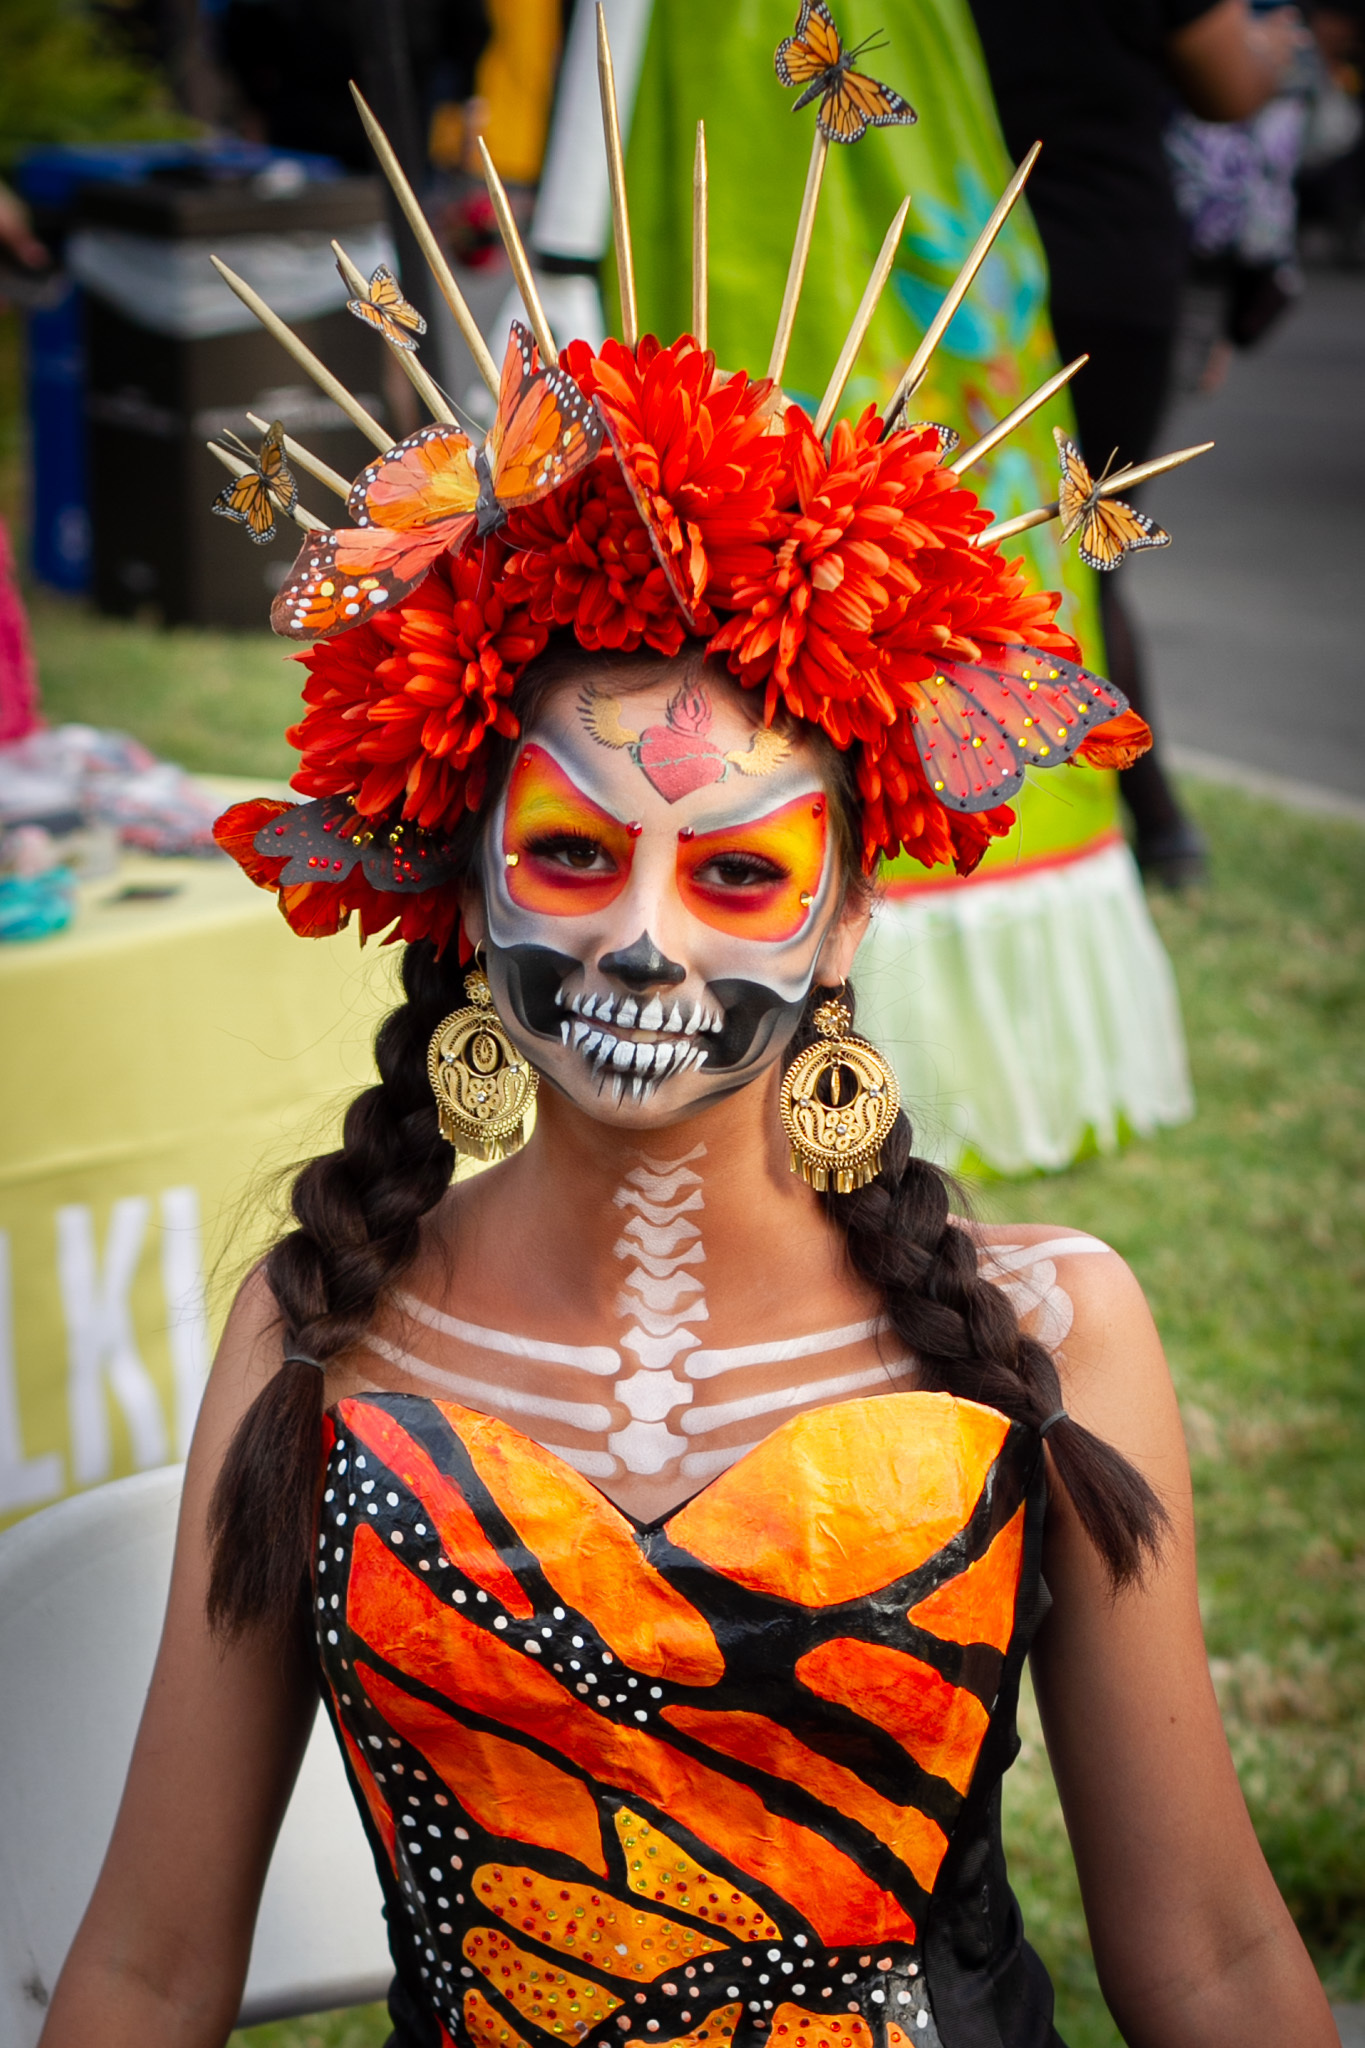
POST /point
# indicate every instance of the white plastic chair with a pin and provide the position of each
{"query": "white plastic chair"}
(82, 1593)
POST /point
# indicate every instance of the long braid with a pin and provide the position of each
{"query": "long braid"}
(359, 1212)
(966, 1338)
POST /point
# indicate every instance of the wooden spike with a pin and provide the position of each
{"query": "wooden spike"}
(304, 357)
(1005, 529)
(957, 290)
(862, 320)
(796, 270)
(616, 173)
(521, 266)
(1024, 410)
(1126, 479)
(428, 244)
(426, 387)
(234, 463)
(700, 240)
(303, 459)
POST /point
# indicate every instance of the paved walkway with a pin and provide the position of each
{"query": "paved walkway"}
(1255, 616)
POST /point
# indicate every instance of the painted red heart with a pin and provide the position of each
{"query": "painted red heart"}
(677, 762)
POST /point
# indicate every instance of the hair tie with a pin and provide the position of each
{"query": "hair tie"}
(1057, 1415)
(302, 1358)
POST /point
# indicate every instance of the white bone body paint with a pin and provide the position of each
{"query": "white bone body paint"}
(1031, 1285)
(662, 1297)
(661, 1363)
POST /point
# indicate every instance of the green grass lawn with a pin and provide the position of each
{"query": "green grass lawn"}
(1245, 1228)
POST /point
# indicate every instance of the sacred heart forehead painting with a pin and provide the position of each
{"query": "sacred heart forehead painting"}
(677, 756)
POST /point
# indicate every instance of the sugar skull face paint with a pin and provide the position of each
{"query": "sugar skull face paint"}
(660, 879)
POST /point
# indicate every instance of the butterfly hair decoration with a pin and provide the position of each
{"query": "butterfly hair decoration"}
(814, 58)
(433, 492)
(267, 487)
(385, 307)
(1108, 528)
(324, 841)
(979, 725)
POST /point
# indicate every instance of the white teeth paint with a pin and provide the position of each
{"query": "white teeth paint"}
(591, 1042)
(627, 1013)
(652, 1015)
(675, 1022)
(587, 1004)
(624, 1054)
(581, 1032)
(564, 1030)
(644, 1058)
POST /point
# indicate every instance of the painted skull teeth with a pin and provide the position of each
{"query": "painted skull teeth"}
(628, 1013)
(645, 1065)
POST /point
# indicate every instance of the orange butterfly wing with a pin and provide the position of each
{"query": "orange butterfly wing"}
(1076, 492)
(545, 430)
(1112, 530)
(340, 578)
(426, 478)
(856, 102)
(247, 500)
(812, 50)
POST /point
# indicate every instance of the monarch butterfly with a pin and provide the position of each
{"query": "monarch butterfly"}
(850, 101)
(252, 499)
(434, 491)
(1108, 528)
(387, 309)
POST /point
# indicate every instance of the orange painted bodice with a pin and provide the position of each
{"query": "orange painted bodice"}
(730, 1778)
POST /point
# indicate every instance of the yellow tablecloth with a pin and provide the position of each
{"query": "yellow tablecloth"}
(160, 1062)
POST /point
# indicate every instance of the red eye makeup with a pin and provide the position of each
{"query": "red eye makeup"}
(565, 856)
(757, 880)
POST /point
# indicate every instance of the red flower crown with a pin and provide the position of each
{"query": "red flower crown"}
(845, 584)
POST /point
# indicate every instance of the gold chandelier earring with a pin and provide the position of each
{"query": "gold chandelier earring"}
(839, 1100)
(482, 1084)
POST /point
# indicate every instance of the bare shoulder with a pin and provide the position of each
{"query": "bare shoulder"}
(1081, 1299)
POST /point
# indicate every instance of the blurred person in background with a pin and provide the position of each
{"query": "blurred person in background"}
(1332, 184)
(1095, 84)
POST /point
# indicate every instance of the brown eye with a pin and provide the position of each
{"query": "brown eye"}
(740, 871)
(572, 850)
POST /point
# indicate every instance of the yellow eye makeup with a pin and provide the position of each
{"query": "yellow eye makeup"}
(564, 855)
(757, 880)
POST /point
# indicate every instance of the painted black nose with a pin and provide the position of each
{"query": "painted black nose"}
(641, 965)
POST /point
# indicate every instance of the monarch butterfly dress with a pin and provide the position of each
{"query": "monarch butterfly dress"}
(727, 1779)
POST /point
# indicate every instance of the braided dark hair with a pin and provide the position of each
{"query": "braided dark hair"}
(359, 1213)
(966, 1339)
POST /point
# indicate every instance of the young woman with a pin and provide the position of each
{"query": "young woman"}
(663, 1527)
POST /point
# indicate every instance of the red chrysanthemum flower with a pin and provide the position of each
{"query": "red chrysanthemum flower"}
(400, 707)
(582, 558)
(877, 580)
(899, 810)
(318, 910)
(700, 458)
